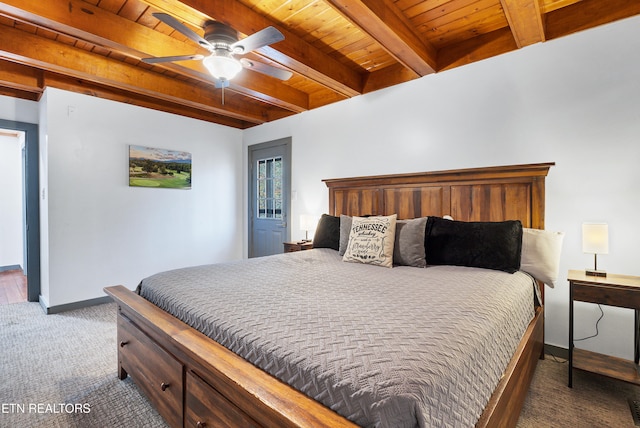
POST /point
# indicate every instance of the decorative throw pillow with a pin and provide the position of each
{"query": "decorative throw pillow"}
(345, 230)
(541, 254)
(408, 249)
(371, 240)
(489, 245)
(327, 233)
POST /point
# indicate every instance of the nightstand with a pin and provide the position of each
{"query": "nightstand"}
(290, 247)
(613, 290)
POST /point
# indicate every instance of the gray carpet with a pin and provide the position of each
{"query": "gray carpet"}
(52, 364)
(594, 401)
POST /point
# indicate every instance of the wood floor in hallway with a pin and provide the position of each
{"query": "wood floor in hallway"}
(13, 287)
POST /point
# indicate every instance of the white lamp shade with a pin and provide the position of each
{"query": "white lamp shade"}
(308, 222)
(222, 67)
(595, 238)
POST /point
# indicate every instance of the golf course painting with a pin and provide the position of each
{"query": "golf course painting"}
(151, 167)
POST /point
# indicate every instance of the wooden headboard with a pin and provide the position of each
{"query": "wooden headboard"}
(514, 192)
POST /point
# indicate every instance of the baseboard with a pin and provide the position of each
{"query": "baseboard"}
(75, 305)
(556, 351)
(43, 303)
(11, 267)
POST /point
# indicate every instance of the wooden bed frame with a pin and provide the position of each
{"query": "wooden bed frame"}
(194, 381)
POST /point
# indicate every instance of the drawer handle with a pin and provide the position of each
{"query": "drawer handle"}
(201, 424)
(164, 386)
(123, 342)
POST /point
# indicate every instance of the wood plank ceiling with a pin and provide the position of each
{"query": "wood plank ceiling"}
(336, 49)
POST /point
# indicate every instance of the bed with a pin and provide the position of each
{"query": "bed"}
(194, 380)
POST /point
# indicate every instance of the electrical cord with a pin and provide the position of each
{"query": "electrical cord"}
(562, 360)
(556, 359)
(597, 322)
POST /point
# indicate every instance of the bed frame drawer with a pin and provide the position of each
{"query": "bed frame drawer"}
(207, 408)
(153, 369)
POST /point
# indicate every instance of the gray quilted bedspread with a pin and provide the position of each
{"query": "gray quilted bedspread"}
(400, 347)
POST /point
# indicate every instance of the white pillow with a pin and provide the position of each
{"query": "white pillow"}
(371, 240)
(541, 254)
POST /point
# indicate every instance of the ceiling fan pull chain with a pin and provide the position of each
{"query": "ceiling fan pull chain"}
(223, 95)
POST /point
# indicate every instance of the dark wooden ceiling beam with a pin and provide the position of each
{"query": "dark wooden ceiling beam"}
(20, 77)
(387, 25)
(16, 93)
(89, 88)
(293, 52)
(588, 14)
(388, 76)
(269, 90)
(550, 6)
(29, 49)
(525, 20)
(83, 21)
(476, 49)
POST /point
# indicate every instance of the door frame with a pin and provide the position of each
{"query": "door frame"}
(32, 202)
(286, 142)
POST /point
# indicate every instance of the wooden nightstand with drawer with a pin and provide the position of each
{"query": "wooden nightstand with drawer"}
(622, 291)
(290, 247)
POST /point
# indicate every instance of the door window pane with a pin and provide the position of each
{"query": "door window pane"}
(269, 183)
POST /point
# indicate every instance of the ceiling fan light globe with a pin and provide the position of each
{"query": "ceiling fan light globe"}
(222, 67)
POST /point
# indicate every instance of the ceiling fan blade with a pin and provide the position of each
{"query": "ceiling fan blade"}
(267, 69)
(257, 40)
(178, 26)
(172, 58)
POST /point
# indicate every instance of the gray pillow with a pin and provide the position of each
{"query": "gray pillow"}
(409, 249)
(345, 230)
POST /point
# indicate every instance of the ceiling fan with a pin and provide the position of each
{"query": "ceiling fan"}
(222, 41)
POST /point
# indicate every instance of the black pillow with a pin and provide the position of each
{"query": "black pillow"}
(327, 233)
(489, 245)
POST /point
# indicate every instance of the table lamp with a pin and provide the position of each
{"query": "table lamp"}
(595, 239)
(308, 222)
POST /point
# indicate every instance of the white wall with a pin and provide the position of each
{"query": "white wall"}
(574, 101)
(11, 230)
(18, 109)
(97, 230)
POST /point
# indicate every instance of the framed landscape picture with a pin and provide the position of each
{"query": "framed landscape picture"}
(151, 167)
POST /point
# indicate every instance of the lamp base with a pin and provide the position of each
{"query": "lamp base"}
(592, 272)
